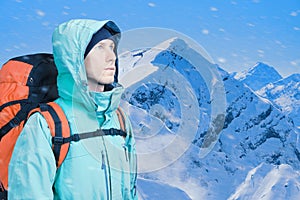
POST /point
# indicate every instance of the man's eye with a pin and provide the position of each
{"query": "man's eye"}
(100, 46)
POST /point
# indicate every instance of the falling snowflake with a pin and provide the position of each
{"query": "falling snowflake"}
(205, 31)
(151, 4)
(40, 13)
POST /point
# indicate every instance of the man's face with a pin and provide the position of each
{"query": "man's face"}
(100, 63)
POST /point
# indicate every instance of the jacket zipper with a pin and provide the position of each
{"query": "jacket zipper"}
(125, 151)
(103, 167)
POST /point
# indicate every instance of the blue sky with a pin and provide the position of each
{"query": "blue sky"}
(235, 33)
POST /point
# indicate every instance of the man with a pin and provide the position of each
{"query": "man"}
(104, 167)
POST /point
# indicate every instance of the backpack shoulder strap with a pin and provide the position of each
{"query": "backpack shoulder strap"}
(121, 117)
(59, 129)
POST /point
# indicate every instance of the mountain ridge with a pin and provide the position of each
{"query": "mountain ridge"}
(255, 133)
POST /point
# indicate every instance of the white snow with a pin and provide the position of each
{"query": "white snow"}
(254, 158)
(270, 182)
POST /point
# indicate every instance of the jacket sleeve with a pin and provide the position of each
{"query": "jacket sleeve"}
(32, 167)
(132, 159)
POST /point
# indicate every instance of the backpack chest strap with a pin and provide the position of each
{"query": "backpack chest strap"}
(86, 135)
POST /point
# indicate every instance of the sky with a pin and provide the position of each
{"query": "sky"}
(235, 33)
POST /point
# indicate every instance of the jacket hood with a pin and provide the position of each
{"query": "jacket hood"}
(70, 40)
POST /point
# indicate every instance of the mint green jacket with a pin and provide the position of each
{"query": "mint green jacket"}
(95, 168)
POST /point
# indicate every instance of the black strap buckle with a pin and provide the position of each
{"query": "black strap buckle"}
(112, 131)
(75, 137)
(61, 140)
(58, 140)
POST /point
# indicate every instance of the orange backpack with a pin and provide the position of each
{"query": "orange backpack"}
(28, 85)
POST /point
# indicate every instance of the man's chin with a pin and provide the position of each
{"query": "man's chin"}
(106, 82)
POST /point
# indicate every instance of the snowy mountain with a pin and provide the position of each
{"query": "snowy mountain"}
(285, 94)
(250, 152)
(258, 76)
(152, 190)
(269, 182)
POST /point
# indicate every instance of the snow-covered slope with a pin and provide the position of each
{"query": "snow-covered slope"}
(258, 76)
(255, 135)
(269, 182)
(154, 190)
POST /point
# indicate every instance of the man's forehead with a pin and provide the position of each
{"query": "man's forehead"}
(107, 41)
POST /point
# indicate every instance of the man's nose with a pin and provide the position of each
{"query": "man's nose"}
(110, 55)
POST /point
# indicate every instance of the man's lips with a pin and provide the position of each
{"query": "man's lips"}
(110, 68)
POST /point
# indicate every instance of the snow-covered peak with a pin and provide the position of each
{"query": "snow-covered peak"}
(285, 95)
(258, 76)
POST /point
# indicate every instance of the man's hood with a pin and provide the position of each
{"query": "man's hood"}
(70, 40)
